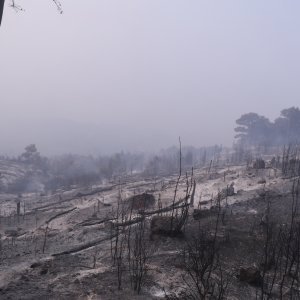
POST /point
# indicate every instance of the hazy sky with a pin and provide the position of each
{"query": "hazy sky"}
(136, 74)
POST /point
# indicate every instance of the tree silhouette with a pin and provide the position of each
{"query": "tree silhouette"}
(253, 128)
(15, 6)
(287, 126)
(1, 10)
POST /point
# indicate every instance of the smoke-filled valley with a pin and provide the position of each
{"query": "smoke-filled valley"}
(183, 223)
(149, 150)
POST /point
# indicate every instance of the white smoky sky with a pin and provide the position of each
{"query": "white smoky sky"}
(134, 75)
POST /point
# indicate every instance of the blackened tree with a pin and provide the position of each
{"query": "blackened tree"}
(15, 6)
(287, 126)
(253, 129)
(256, 130)
(1, 9)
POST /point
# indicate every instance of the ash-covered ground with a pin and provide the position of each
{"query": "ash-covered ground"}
(61, 245)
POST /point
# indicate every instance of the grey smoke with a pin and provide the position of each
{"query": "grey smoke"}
(134, 75)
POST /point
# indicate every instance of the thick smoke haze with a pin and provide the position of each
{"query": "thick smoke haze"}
(133, 75)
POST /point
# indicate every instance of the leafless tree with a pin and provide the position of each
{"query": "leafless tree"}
(118, 246)
(17, 7)
(179, 216)
(45, 238)
(1, 10)
(291, 161)
(129, 241)
(205, 277)
(139, 252)
(281, 253)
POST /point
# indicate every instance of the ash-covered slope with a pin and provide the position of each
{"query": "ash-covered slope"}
(11, 171)
(17, 176)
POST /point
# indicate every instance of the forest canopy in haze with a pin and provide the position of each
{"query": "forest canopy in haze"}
(257, 130)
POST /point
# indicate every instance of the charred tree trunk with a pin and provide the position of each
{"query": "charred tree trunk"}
(193, 194)
(18, 208)
(1, 9)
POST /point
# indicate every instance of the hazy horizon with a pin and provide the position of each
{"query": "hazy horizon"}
(133, 76)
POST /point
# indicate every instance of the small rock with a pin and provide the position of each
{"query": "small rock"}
(24, 278)
(259, 164)
(44, 271)
(250, 275)
(261, 181)
(35, 265)
(164, 225)
(76, 281)
(240, 192)
(141, 202)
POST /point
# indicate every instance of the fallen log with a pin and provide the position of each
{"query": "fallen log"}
(130, 222)
(95, 222)
(49, 208)
(85, 246)
(96, 191)
(104, 204)
(60, 214)
(164, 209)
(147, 213)
(78, 195)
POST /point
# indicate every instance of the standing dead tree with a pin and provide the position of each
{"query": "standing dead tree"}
(291, 161)
(129, 246)
(118, 241)
(291, 244)
(280, 266)
(272, 253)
(138, 251)
(1, 9)
(45, 238)
(179, 216)
(17, 7)
(205, 276)
(176, 186)
(173, 224)
(183, 214)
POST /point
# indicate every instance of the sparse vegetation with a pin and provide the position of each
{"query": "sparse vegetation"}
(226, 228)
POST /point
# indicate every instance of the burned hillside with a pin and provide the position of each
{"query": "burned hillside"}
(222, 230)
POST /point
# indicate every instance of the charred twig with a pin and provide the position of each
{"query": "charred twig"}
(84, 246)
(95, 222)
(164, 209)
(59, 215)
